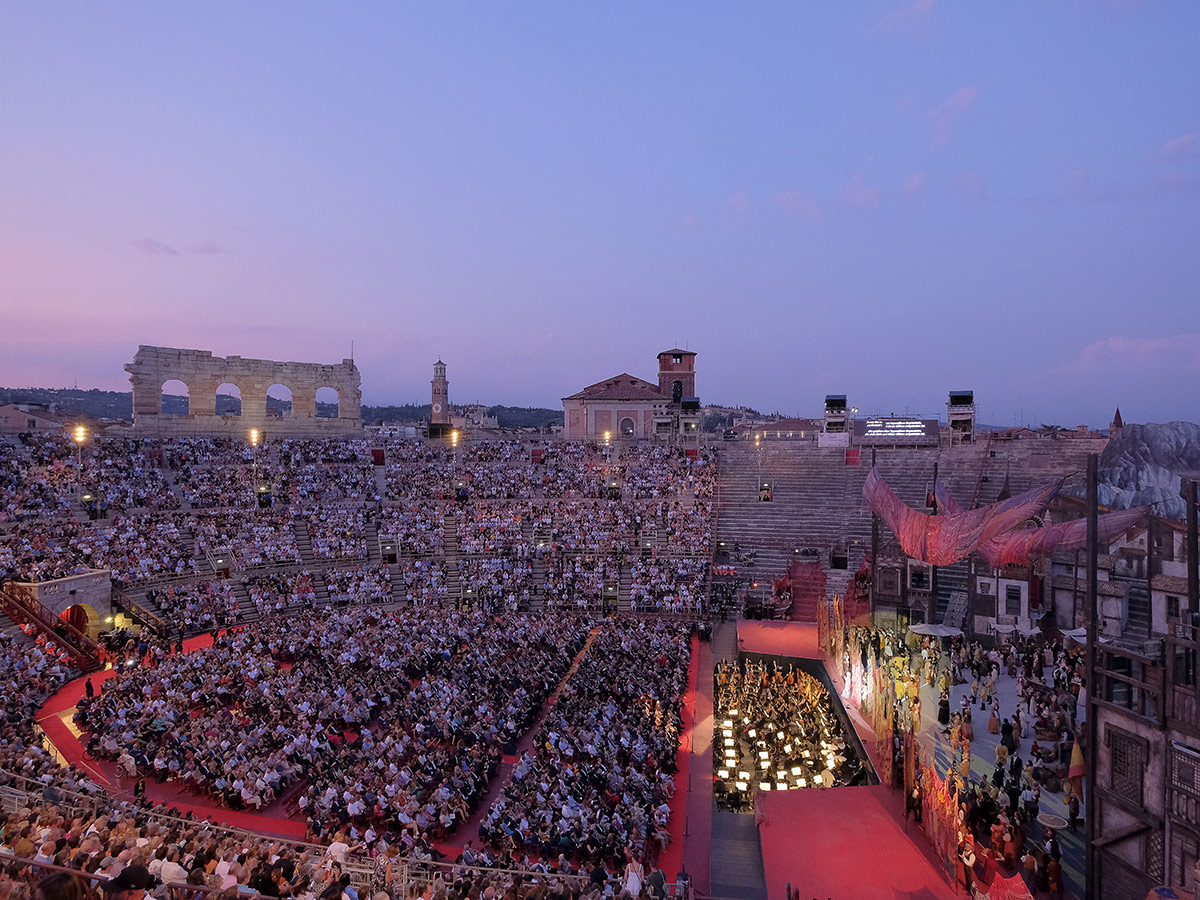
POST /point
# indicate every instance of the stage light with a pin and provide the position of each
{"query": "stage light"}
(800, 782)
(763, 754)
(817, 780)
(744, 776)
(728, 732)
(723, 773)
(781, 785)
(779, 735)
(765, 765)
(728, 742)
(746, 721)
(796, 770)
(787, 748)
(806, 754)
(742, 785)
(765, 785)
(728, 723)
(752, 733)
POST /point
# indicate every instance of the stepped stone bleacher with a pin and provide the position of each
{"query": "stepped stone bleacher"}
(818, 504)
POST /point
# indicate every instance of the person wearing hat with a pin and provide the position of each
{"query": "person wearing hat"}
(130, 884)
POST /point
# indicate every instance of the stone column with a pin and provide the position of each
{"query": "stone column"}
(304, 402)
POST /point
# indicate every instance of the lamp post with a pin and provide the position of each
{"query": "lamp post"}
(255, 438)
(79, 436)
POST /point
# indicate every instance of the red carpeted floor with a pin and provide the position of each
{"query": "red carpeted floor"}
(697, 841)
(671, 858)
(780, 638)
(844, 843)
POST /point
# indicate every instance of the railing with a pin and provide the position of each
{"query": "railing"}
(84, 654)
(137, 611)
(33, 871)
(21, 792)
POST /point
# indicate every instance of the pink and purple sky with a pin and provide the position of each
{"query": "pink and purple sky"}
(887, 199)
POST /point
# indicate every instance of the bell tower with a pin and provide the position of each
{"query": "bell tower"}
(677, 374)
(440, 411)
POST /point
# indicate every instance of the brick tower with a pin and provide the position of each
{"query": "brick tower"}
(677, 374)
(440, 412)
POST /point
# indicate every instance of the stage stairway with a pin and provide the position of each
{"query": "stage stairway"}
(951, 580)
(1137, 622)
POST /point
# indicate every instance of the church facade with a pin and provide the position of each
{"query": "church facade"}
(631, 408)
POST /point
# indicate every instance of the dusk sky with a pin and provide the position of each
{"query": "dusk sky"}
(883, 199)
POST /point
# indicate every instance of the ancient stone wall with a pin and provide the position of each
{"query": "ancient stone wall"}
(203, 373)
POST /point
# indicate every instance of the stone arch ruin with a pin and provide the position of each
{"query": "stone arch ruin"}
(203, 373)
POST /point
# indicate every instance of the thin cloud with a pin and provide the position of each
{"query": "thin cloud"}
(945, 117)
(740, 202)
(914, 184)
(205, 248)
(149, 246)
(862, 195)
(1177, 147)
(1177, 352)
(971, 187)
(797, 204)
(909, 16)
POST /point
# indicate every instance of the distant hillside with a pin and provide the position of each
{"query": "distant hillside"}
(119, 405)
(98, 404)
(508, 416)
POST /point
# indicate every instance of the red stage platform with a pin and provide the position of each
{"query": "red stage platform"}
(781, 638)
(844, 843)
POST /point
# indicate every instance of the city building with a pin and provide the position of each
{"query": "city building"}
(631, 408)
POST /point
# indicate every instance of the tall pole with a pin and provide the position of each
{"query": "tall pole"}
(933, 573)
(1193, 571)
(874, 551)
(1091, 871)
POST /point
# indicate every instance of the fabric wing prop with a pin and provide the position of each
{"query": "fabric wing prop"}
(943, 540)
(1021, 548)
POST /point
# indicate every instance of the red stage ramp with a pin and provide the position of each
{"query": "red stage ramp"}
(844, 843)
(780, 638)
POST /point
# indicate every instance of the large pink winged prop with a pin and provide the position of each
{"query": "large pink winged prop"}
(943, 540)
(1021, 547)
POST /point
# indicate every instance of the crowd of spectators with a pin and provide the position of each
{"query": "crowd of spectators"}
(277, 592)
(363, 585)
(136, 548)
(338, 532)
(667, 584)
(599, 781)
(579, 579)
(422, 581)
(416, 525)
(262, 538)
(493, 527)
(396, 719)
(496, 582)
(197, 607)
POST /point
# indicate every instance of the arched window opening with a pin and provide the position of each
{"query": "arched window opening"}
(327, 403)
(229, 400)
(279, 402)
(627, 427)
(175, 400)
